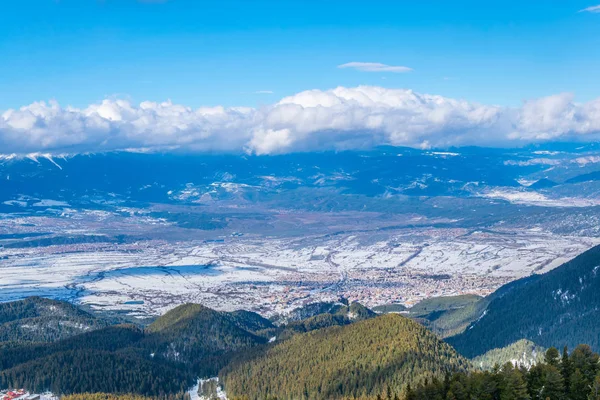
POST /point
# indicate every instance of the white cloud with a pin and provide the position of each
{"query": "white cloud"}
(340, 118)
(592, 9)
(264, 92)
(375, 67)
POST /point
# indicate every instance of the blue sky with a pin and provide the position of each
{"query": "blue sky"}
(223, 52)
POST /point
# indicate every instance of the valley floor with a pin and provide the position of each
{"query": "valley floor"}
(274, 274)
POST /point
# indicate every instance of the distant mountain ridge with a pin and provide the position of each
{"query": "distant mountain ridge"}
(42, 181)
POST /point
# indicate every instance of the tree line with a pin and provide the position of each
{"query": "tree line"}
(574, 376)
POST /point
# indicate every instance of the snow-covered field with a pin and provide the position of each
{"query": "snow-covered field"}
(528, 197)
(275, 274)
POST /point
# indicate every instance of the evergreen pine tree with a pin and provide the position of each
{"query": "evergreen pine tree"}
(584, 359)
(566, 369)
(595, 389)
(512, 386)
(535, 381)
(410, 394)
(552, 357)
(578, 389)
(553, 387)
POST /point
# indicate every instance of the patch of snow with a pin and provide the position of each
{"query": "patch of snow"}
(533, 161)
(478, 319)
(564, 297)
(199, 392)
(537, 199)
(526, 182)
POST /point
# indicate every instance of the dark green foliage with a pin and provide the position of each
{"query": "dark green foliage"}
(80, 371)
(353, 311)
(449, 316)
(308, 311)
(542, 381)
(357, 312)
(389, 308)
(111, 396)
(361, 359)
(555, 385)
(107, 339)
(200, 337)
(577, 388)
(438, 304)
(319, 316)
(595, 388)
(552, 356)
(37, 319)
(112, 359)
(193, 220)
(188, 342)
(561, 306)
(512, 384)
(250, 321)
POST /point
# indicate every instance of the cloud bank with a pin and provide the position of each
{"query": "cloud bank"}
(341, 118)
(375, 67)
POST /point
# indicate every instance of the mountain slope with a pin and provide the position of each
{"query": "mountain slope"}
(112, 338)
(353, 360)
(318, 316)
(187, 342)
(308, 311)
(97, 371)
(201, 337)
(111, 359)
(521, 353)
(250, 321)
(561, 307)
(37, 319)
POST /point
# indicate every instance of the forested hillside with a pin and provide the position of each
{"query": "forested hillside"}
(364, 358)
(523, 353)
(448, 316)
(36, 319)
(561, 307)
(202, 338)
(111, 360)
(111, 396)
(318, 316)
(341, 308)
(574, 376)
(164, 359)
